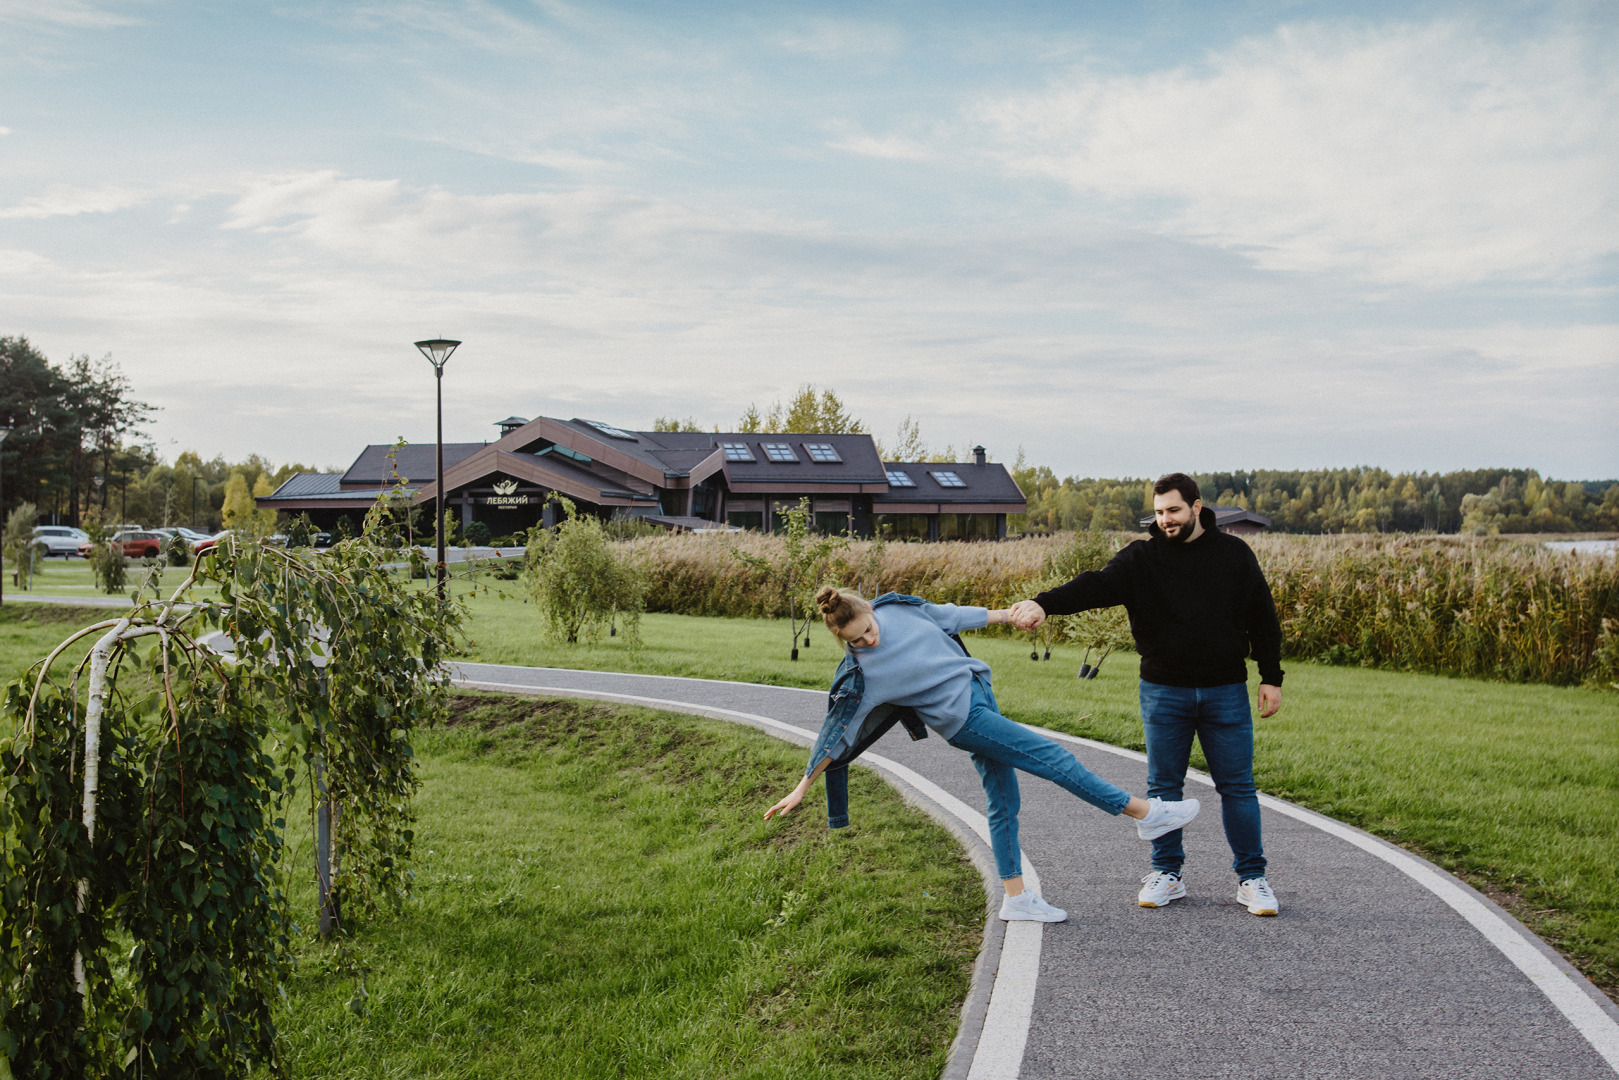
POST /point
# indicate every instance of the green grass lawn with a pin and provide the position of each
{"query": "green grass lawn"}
(73, 577)
(1515, 787)
(599, 897)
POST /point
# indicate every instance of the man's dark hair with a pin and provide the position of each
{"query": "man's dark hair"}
(1178, 481)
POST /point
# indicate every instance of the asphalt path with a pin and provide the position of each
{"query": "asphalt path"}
(1379, 965)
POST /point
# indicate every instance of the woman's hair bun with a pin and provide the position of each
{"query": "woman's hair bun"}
(827, 599)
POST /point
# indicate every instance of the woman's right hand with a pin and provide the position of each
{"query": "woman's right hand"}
(788, 804)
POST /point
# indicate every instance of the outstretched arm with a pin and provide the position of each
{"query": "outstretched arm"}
(790, 801)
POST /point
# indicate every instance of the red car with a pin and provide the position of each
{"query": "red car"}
(137, 544)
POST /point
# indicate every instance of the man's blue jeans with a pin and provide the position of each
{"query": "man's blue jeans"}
(1224, 725)
(1000, 747)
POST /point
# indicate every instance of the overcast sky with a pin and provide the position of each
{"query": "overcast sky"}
(1128, 237)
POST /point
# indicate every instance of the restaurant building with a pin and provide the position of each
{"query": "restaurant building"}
(680, 480)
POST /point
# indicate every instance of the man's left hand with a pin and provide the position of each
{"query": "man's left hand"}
(1270, 699)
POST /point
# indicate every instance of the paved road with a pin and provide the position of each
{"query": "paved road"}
(1379, 966)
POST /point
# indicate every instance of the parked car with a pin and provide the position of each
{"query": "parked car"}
(191, 536)
(61, 539)
(138, 544)
(209, 541)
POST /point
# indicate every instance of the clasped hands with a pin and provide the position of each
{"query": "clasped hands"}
(1026, 615)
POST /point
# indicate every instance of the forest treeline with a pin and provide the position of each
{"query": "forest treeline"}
(1354, 500)
(77, 450)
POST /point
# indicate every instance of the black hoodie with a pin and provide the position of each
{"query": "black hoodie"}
(1197, 609)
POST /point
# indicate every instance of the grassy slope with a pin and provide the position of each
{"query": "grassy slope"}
(1512, 786)
(599, 898)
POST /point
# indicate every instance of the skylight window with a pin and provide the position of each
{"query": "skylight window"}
(820, 451)
(946, 478)
(609, 430)
(563, 451)
(896, 478)
(736, 451)
(779, 451)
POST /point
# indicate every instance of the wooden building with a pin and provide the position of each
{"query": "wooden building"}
(680, 480)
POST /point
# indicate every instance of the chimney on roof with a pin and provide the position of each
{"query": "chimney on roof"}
(509, 425)
(978, 455)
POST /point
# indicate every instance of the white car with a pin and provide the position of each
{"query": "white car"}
(60, 539)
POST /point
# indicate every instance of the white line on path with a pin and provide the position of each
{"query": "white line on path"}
(1558, 983)
(999, 1054)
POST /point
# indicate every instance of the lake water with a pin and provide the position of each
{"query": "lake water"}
(1586, 547)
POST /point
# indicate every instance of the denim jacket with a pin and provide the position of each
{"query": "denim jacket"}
(848, 686)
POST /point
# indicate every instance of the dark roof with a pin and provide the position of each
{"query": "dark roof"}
(305, 484)
(990, 483)
(416, 462)
(676, 453)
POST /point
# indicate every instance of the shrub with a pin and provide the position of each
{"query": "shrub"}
(477, 534)
(581, 585)
(109, 565)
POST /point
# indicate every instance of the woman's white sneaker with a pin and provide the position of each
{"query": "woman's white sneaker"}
(1159, 888)
(1165, 817)
(1027, 907)
(1255, 894)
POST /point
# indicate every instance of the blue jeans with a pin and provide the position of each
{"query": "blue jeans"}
(1000, 747)
(1220, 718)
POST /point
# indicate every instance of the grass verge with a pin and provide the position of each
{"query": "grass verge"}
(598, 897)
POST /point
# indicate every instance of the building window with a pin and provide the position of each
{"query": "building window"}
(946, 478)
(967, 527)
(609, 430)
(736, 451)
(746, 519)
(902, 526)
(820, 451)
(830, 522)
(779, 451)
(896, 478)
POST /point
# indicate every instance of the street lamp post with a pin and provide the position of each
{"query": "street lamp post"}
(437, 351)
(4, 431)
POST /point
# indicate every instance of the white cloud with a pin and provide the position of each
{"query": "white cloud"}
(1419, 154)
(884, 147)
(833, 38)
(73, 14)
(70, 202)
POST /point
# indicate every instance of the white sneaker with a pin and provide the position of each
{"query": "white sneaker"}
(1159, 888)
(1255, 894)
(1027, 907)
(1166, 817)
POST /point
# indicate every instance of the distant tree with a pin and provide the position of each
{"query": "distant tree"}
(669, 423)
(237, 512)
(908, 443)
(823, 413)
(263, 520)
(751, 423)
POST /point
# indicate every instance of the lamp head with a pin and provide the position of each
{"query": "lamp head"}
(437, 351)
(4, 431)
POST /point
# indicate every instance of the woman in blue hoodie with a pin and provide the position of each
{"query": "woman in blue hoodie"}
(905, 662)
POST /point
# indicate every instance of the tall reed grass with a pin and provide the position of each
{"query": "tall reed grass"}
(1482, 607)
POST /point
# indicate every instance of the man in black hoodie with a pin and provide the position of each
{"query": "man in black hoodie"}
(1198, 605)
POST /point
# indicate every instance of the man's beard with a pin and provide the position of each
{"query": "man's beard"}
(1183, 535)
